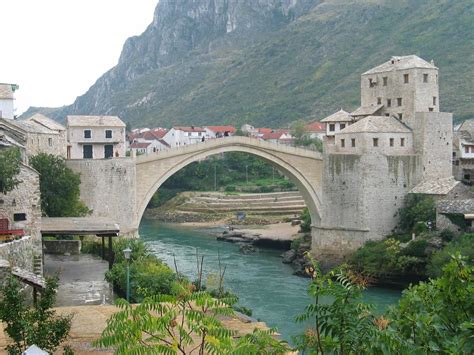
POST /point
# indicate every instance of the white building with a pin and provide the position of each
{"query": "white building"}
(95, 137)
(7, 98)
(179, 136)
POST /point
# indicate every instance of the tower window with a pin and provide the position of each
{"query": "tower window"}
(389, 102)
(108, 133)
(50, 142)
(399, 101)
(342, 126)
(87, 133)
(434, 100)
(406, 78)
(371, 82)
(402, 142)
(332, 127)
(430, 109)
(343, 143)
(392, 141)
(19, 217)
(379, 100)
(400, 116)
(385, 81)
(376, 142)
(425, 78)
(466, 149)
(353, 142)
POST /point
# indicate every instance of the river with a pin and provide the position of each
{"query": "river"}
(262, 282)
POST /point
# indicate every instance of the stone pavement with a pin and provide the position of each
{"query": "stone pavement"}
(81, 279)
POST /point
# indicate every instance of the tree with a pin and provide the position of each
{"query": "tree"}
(37, 325)
(182, 323)
(10, 160)
(417, 208)
(302, 137)
(59, 187)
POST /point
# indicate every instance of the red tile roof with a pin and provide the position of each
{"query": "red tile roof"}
(221, 129)
(264, 130)
(316, 126)
(275, 134)
(189, 129)
(159, 132)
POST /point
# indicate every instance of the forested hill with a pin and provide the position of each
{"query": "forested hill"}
(269, 62)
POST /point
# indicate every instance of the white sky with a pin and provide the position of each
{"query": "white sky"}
(56, 49)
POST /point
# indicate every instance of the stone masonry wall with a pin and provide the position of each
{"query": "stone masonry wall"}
(362, 195)
(21, 252)
(108, 189)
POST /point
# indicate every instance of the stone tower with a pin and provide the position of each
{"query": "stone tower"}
(403, 86)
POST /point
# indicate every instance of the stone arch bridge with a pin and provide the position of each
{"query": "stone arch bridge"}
(119, 189)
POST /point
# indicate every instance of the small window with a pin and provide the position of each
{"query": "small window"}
(434, 100)
(385, 81)
(387, 114)
(425, 78)
(392, 141)
(50, 142)
(466, 149)
(400, 116)
(402, 142)
(406, 78)
(87, 133)
(389, 102)
(353, 142)
(87, 151)
(19, 217)
(399, 101)
(375, 142)
(430, 109)
(342, 126)
(343, 143)
(108, 133)
(332, 127)
(371, 82)
(379, 100)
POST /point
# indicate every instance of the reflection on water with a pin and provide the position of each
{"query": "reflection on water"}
(262, 282)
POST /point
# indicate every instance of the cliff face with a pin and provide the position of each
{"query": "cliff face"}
(183, 28)
(269, 62)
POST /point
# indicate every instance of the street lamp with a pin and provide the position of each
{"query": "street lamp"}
(126, 253)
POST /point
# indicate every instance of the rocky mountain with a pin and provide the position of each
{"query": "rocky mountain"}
(269, 62)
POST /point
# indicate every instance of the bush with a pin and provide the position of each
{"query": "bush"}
(306, 221)
(418, 208)
(230, 188)
(463, 244)
(38, 324)
(416, 247)
(446, 235)
(148, 275)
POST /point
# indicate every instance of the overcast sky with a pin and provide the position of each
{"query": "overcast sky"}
(56, 49)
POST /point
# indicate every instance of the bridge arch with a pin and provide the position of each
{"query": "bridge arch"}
(303, 167)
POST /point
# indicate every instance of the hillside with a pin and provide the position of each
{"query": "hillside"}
(269, 62)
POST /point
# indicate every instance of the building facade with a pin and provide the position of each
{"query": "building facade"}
(95, 137)
(7, 99)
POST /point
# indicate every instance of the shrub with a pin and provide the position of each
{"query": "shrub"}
(10, 160)
(230, 188)
(38, 324)
(416, 247)
(417, 208)
(463, 244)
(446, 235)
(306, 221)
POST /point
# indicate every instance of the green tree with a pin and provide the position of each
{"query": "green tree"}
(59, 187)
(417, 208)
(182, 323)
(306, 220)
(463, 244)
(37, 325)
(302, 137)
(10, 160)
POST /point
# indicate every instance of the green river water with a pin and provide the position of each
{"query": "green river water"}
(262, 282)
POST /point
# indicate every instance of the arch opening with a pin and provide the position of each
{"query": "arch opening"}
(305, 187)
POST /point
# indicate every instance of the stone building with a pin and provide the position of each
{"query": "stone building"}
(7, 98)
(463, 152)
(399, 141)
(95, 137)
(399, 87)
(20, 213)
(38, 134)
(180, 135)
(337, 122)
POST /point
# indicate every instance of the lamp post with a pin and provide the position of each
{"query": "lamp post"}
(126, 253)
